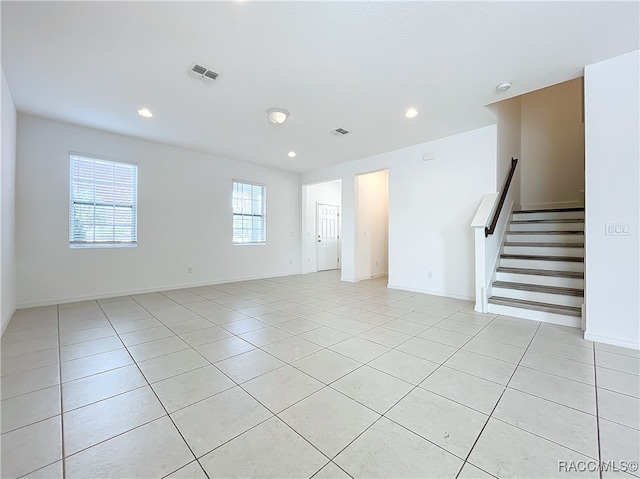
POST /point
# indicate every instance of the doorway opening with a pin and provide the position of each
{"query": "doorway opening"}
(372, 225)
(322, 225)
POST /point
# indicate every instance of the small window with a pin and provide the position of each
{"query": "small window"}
(103, 203)
(249, 213)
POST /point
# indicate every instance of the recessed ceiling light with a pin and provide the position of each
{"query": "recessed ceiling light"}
(145, 112)
(411, 113)
(277, 115)
(292, 154)
(503, 87)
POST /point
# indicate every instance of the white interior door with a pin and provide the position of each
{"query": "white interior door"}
(328, 236)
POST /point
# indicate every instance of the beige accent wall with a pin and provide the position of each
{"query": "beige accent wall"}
(552, 144)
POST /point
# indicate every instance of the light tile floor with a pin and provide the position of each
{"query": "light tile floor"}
(306, 376)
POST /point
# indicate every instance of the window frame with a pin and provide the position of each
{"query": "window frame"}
(76, 201)
(263, 188)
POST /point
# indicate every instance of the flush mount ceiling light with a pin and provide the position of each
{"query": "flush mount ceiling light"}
(503, 87)
(145, 112)
(277, 115)
(291, 154)
(411, 113)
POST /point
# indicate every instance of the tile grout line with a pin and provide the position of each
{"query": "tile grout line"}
(595, 378)
(156, 395)
(405, 395)
(266, 325)
(276, 414)
(64, 462)
(496, 404)
(273, 415)
(289, 363)
(430, 374)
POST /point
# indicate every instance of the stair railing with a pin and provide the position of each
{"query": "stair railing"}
(488, 244)
(488, 230)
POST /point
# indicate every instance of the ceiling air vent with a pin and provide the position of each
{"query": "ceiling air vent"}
(203, 73)
(339, 132)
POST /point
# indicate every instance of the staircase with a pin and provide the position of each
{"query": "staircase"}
(541, 268)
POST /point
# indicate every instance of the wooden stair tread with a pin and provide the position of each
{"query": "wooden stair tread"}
(539, 288)
(541, 272)
(571, 259)
(537, 232)
(545, 221)
(536, 306)
(546, 245)
(549, 210)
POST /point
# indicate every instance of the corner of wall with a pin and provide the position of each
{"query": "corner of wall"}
(7, 206)
(612, 263)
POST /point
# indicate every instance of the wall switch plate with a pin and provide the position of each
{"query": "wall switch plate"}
(617, 229)
(429, 274)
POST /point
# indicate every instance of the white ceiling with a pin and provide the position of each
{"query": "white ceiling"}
(357, 65)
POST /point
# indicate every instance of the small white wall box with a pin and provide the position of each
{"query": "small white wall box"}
(617, 229)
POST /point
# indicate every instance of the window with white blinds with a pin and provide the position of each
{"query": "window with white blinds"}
(102, 203)
(249, 213)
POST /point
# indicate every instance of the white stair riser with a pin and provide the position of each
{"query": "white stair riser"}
(550, 215)
(572, 321)
(542, 280)
(538, 297)
(545, 238)
(542, 264)
(545, 250)
(546, 227)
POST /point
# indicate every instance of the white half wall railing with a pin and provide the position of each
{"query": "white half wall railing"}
(490, 225)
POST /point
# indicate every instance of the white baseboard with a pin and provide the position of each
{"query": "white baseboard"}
(532, 315)
(553, 205)
(157, 289)
(5, 321)
(623, 343)
(433, 293)
(360, 278)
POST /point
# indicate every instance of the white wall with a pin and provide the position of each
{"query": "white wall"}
(7, 207)
(612, 112)
(327, 193)
(372, 225)
(553, 146)
(508, 115)
(184, 218)
(431, 205)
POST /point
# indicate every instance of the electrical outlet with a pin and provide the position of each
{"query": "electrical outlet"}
(617, 229)
(189, 269)
(429, 274)
(290, 261)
